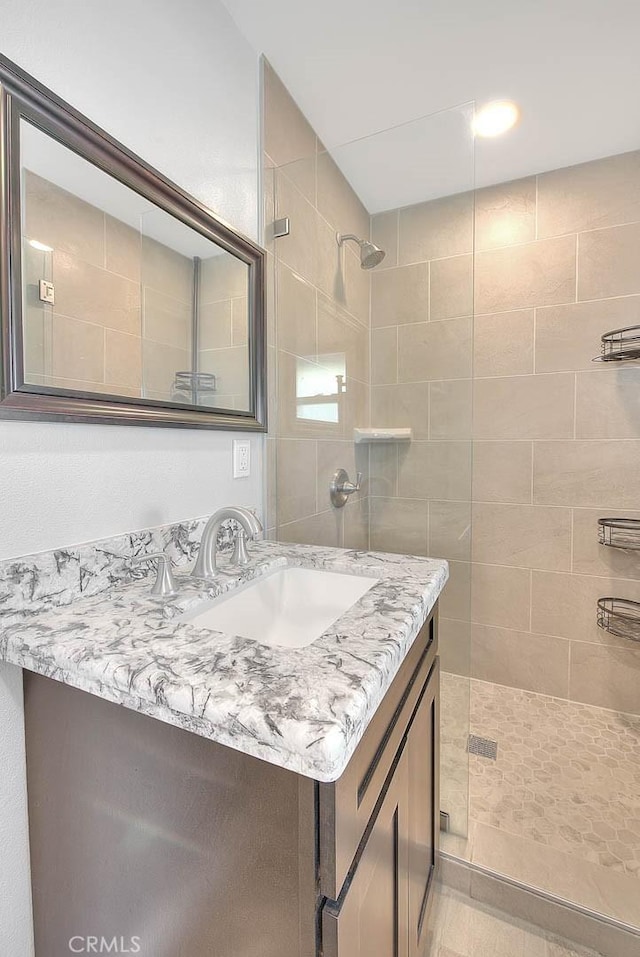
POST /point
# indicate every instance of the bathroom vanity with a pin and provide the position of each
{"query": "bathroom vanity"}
(200, 793)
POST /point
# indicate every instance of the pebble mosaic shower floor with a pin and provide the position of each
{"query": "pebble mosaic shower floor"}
(559, 807)
(566, 774)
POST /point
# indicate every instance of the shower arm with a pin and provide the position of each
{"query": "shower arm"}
(343, 237)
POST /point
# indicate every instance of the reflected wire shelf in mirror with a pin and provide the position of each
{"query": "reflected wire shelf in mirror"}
(620, 345)
(619, 616)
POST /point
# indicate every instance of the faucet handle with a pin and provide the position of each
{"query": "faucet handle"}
(165, 585)
(240, 554)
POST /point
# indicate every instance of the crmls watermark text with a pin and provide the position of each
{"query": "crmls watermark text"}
(104, 945)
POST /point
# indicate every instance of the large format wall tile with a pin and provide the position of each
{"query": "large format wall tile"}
(450, 530)
(340, 335)
(399, 525)
(435, 470)
(434, 230)
(288, 138)
(231, 368)
(502, 472)
(456, 597)
(384, 355)
(167, 271)
(524, 407)
(160, 363)
(534, 274)
(603, 192)
(592, 558)
(400, 295)
(402, 406)
(435, 350)
(520, 660)
(450, 410)
(608, 262)
(296, 313)
(325, 528)
(78, 349)
(503, 343)
(454, 647)
(568, 337)
(565, 605)
(506, 214)
(413, 460)
(384, 233)
(94, 295)
(383, 470)
(501, 596)
(524, 535)
(123, 361)
(336, 200)
(607, 677)
(296, 479)
(355, 524)
(451, 287)
(608, 405)
(59, 219)
(299, 250)
(123, 248)
(169, 320)
(586, 474)
(215, 324)
(357, 285)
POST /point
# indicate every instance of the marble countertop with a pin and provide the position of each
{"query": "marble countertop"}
(304, 709)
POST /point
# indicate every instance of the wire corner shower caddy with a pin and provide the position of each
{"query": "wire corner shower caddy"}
(619, 345)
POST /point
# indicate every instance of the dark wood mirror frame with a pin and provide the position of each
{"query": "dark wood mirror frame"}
(23, 97)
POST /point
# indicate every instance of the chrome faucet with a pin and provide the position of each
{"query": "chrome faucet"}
(165, 584)
(205, 566)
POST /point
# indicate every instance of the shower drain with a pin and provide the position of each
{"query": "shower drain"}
(484, 747)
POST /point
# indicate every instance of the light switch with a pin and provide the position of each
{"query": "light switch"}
(46, 292)
(241, 458)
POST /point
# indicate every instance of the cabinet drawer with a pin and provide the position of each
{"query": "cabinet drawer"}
(346, 805)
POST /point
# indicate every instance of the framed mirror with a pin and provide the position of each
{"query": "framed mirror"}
(123, 299)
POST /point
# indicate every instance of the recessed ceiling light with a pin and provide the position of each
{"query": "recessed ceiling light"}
(495, 118)
(41, 246)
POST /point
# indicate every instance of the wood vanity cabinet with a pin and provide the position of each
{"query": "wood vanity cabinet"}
(141, 829)
(382, 905)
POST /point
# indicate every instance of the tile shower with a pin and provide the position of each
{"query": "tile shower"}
(478, 331)
(137, 346)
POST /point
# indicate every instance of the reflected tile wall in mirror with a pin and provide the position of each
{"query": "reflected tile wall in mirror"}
(142, 305)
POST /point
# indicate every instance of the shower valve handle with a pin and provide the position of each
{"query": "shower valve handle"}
(341, 487)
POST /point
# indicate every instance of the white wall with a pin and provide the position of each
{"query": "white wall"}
(178, 84)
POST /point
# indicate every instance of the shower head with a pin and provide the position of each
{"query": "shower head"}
(370, 254)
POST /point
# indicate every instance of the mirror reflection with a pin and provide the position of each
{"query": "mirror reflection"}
(119, 297)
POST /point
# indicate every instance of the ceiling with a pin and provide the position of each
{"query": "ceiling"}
(358, 67)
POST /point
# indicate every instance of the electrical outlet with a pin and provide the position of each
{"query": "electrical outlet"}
(241, 458)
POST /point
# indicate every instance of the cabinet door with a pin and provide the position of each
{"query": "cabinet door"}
(424, 830)
(371, 918)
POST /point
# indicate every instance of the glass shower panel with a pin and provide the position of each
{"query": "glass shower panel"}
(417, 181)
(389, 346)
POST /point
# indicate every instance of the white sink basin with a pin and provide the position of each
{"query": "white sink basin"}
(289, 607)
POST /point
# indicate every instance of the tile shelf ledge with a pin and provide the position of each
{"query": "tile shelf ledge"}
(361, 436)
